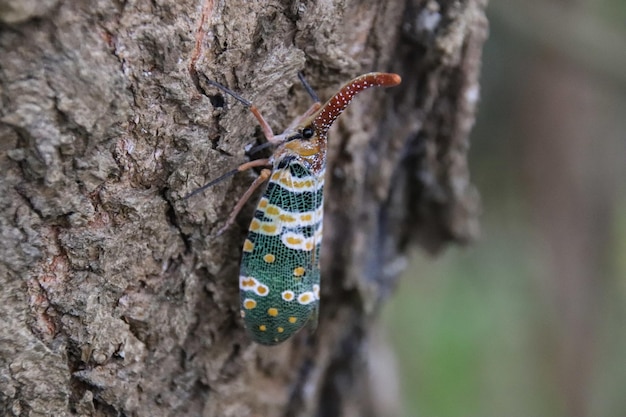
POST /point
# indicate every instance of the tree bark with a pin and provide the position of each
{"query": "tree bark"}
(117, 297)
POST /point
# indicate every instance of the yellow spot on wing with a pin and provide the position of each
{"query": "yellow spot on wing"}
(293, 319)
(268, 228)
(287, 218)
(263, 327)
(255, 225)
(261, 289)
(293, 240)
(249, 304)
(306, 298)
(299, 271)
(263, 203)
(248, 283)
(248, 246)
(272, 311)
(269, 258)
(272, 211)
(280, 330)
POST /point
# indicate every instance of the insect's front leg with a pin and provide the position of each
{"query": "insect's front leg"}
(312, 110)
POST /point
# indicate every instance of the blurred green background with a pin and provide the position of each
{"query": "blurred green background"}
(531, 319)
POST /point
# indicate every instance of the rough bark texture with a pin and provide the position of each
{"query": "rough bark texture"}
(116, 296)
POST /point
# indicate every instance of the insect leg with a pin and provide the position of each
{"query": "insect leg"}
(308, 88)
(265, 127)
(284, 136)
(314, 108)
(263, 176)
(240, 168)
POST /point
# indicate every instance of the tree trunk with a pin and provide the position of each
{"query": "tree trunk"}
(118, 298)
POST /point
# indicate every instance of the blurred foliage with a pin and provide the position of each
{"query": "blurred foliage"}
(476, 330)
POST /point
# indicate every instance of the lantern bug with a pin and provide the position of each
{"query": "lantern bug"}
(279, 278)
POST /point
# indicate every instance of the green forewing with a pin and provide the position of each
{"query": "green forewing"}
(279, 277)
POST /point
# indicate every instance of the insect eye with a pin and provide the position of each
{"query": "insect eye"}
(307, 133)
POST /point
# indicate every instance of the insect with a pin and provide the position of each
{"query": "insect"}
(280, 271)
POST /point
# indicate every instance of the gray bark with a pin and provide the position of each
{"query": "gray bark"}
(116, 296)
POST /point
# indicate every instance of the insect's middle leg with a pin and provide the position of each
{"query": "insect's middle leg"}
(263, 176)
(240, 168)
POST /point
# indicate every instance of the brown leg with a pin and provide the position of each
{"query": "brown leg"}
(256, 163)
(267, 130)
(265, 174)
(265, 127)
(314, 107)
